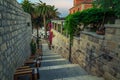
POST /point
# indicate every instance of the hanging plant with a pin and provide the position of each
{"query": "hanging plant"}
(71, 23)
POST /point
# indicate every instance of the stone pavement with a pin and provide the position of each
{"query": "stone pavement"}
(54, 67)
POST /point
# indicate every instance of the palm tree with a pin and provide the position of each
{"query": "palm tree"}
(42, 9)
(53, 12)
(36, 20)
(29, 8)
(39, 11)
(47, 12)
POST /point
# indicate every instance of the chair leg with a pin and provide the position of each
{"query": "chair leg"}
(35, 74)
(38, 76)
(15, 77)
(38, 63)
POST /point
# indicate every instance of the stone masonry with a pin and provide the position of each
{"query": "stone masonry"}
(97, 54)
(15, 36)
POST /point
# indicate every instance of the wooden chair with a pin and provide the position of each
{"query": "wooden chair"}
(32, 57)
(30, 62)
(23, 67)
(26, 69)
(36, 62)
(23, 73)
(31, 72)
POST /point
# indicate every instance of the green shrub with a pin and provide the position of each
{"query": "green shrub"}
(108, 4)
(116, 7)
(96, 17)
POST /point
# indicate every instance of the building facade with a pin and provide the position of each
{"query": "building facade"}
(80, 5)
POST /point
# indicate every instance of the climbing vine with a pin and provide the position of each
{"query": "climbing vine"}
(92, 16)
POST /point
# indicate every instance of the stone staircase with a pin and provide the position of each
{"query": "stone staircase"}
(54, 67)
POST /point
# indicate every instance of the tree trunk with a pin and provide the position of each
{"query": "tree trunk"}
(70, 49)
(32, 29)
(103, 21)
(44, 19)
(37, 37)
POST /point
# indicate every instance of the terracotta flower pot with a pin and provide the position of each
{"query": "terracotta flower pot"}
(100, 32)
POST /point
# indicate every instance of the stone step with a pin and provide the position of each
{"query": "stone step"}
(85, 77)
(45, 49)
(54, 62)
(51, 57)
(54, 55)
(61, 71)
(59, 67)
(49, 54)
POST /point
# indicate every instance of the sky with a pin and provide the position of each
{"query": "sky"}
(62, 5)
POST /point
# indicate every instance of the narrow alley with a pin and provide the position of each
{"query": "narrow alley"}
(59, 39)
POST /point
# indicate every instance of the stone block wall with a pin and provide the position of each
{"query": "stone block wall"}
(15, 37)
(97, 54)
(58, 44)
(111, 49)
(86, 49)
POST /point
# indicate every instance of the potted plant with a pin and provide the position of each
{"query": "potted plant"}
(107, 15)
(107, 12)
(101, 31)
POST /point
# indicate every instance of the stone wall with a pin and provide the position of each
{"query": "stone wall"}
(86, 49)
(97, 54)
(111, 48)
(58, 44)
(15, 36)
